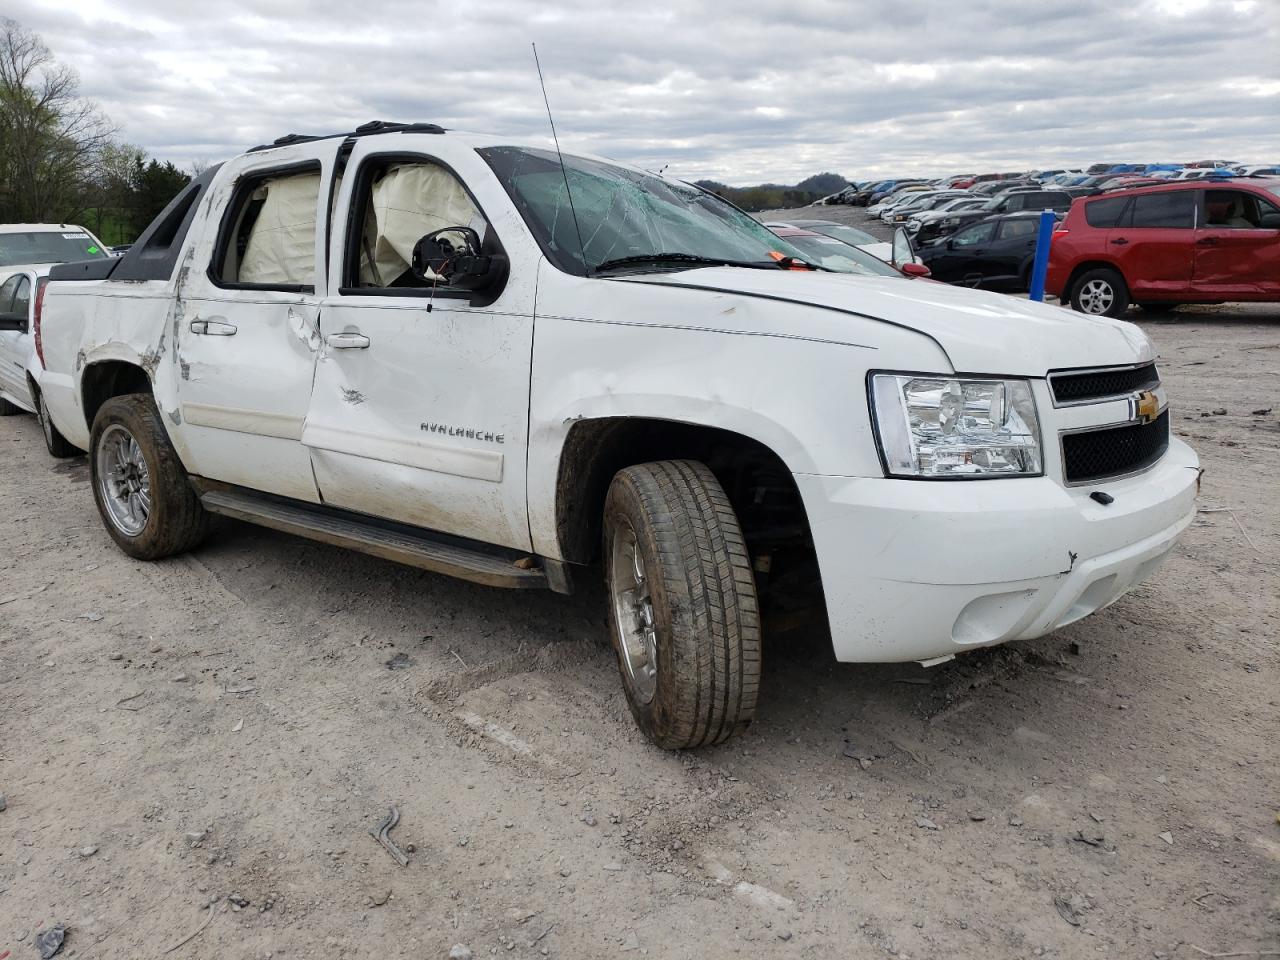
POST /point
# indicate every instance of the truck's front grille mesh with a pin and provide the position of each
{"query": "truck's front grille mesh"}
(1095, 384)
(1115, 451)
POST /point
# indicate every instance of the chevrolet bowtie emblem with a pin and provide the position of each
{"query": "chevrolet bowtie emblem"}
(1146, 406)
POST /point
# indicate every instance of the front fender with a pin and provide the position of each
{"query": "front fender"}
(663, 353)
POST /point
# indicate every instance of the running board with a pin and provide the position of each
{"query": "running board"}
(403, 545)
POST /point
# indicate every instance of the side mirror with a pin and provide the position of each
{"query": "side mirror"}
(951, 243)
(13, 321)
(453, 256)
(902, 249)
(915, 270)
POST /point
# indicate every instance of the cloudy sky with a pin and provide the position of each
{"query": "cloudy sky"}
(740, 92)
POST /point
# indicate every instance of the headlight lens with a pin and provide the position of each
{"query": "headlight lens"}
(956, 429)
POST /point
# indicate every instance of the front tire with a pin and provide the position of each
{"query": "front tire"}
(54, 441)
(683, 613)
(139, 484)
(1100, 292)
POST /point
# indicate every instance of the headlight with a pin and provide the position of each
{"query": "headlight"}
(940, 427)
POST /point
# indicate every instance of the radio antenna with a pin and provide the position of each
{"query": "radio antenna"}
(582, 249)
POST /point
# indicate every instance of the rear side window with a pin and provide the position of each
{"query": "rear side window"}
(269, 236)
(1239, 210)
(1022, 227)
(1105, 213)
(1176, 209)
(972, 236)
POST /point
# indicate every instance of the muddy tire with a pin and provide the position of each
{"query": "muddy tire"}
(1101, 292)
(54, 441)
(683, 615)
(139, 484)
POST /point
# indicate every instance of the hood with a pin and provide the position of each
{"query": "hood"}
(981, 332)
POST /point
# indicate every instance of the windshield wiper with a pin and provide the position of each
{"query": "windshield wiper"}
(691, 258)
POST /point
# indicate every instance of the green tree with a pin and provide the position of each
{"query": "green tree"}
(51, 139)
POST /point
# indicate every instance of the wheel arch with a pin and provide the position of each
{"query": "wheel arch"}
(757, 480)
(1083, 267)
(104, 379)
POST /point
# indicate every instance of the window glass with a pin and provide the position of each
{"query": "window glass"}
(7, 290)
(840, 256)
(48, 246)
(1173, 209)
(624, 213)
(22, 297)
(978, 233)
(273, 240)
(398, 204)
(1105, 213)
(1022, 227)
(1238, 210)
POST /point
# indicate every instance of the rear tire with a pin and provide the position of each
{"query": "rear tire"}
(683, 613)
(54, 441)
(139, 484)
(1100, 292)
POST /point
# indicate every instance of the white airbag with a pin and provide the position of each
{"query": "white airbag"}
(408, 203)
(282, 246)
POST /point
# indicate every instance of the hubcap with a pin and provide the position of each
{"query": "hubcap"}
(633, 613)
(123, 480)
(1096, 297)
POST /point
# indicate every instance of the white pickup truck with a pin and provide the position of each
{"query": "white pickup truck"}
(461, 354)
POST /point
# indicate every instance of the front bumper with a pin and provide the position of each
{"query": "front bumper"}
(915, 570)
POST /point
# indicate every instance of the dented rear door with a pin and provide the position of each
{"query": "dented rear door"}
(248, 320)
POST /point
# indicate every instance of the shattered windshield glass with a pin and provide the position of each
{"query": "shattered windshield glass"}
(624, 214)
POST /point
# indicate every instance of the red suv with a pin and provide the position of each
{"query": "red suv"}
(1196, 242)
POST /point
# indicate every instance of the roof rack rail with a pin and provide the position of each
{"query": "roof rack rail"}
(364, 130)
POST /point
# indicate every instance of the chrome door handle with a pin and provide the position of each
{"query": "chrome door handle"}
(215, 327)
(349, 340)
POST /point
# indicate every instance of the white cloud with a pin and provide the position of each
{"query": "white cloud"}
(742, 93)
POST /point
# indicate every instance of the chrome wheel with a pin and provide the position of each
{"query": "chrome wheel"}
(1096, 297)
(123, 480)
(633, 613)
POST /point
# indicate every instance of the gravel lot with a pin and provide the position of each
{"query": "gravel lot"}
(228, 726)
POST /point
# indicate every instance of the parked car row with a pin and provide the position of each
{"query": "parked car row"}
(1154, 243)
(869, 193)
(485, 386)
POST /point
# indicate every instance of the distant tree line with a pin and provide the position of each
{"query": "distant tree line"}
(60, 160)
(772, 196)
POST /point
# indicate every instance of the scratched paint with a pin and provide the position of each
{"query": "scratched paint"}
(353, 397)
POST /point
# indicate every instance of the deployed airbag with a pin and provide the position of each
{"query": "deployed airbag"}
(282, 245)
(409, 202)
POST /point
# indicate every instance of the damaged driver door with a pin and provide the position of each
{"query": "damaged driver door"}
(419, 412)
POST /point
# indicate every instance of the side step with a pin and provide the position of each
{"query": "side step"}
(493, 567)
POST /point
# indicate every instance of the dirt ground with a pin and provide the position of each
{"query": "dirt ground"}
(227, 727)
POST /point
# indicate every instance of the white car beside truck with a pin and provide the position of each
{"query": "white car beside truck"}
(470, 356)
(27, 250)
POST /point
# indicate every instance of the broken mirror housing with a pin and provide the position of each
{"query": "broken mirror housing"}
(453, 256)
(946, 428)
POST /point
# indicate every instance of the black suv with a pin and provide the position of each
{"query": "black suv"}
(994, 254)
(1059, 201)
